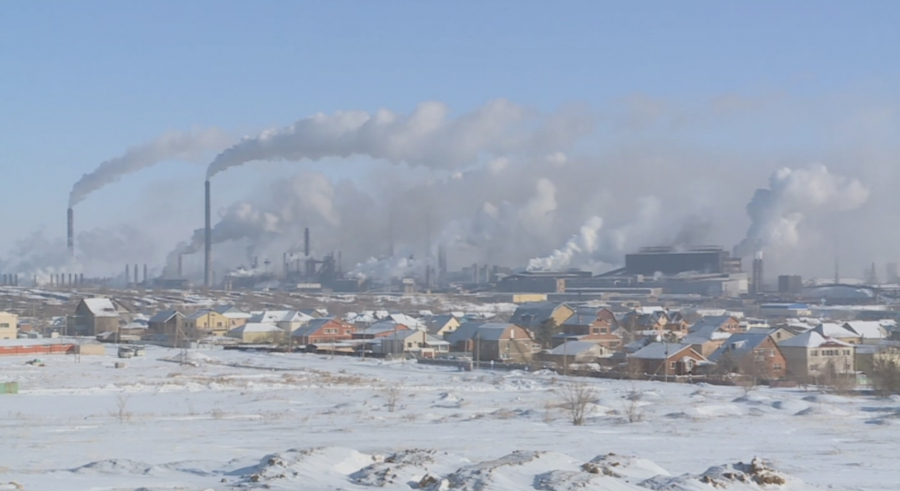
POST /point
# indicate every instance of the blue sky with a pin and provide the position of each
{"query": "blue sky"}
(84, 80)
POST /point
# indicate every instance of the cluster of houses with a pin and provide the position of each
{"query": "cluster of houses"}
(648, 341)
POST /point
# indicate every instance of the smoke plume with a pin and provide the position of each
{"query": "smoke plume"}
(581, 245)
(428, 136)
(190, 145)
(777, 212)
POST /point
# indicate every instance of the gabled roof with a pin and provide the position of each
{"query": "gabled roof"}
(583, 316)
(101, 307)
(403, 335)
(311, 327)
(406, 320)
(715, 321)
(660, 351)
(570, 348)
(254, 327)
(740, 344)
(383, 326)
(532, 314)
(227, 309)
(867, 329)
(435, 341)
(705, 334)
(274, 316)
(832, 330)
(199, 314)
(465, 331)
(810, 339)
(164, 316)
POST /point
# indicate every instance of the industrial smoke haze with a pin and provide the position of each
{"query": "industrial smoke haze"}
(428, 136)
(174, 145)
(777, 212)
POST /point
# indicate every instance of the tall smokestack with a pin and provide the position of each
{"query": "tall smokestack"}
(180, 263)
(306, 241)
(207, 247)
(70, 231)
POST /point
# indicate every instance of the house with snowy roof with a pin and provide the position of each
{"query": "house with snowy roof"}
(869, 332)
(379, 329)
(324, 330)
(572, 352)
(98, 315)
(751, 353)
(286, 320)
(441, 325)
(256, 333)
(493, 341)
(837, 331)
(810, 355)
(167, 322)
(413, 341)
(666, 359)
(533, 315)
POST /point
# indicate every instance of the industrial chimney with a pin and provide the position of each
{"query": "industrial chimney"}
(207, 248)
(306, 242)
(70, 231)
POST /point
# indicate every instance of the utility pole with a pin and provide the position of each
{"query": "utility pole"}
(565, 356)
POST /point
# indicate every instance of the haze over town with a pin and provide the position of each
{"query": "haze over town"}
(481, 218)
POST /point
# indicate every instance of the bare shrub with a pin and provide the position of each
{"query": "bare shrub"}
(217, 413)
(632, 410)
(391, 396)
(576, 398)
(886, 372)
(122, 413)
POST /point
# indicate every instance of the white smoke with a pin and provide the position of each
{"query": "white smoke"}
(580, 247)
(426, 137)
(776, 213)
(402, 265)
(191, 146)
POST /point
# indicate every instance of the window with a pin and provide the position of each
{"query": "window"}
(331, 331)
(595, 331)
(814, 353)
(846, 352)
(409, 345)
(4, 324)
(672, 365)
(218, 324)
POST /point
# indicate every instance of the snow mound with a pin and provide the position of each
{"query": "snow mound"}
(628, 469)
(114, 466)
(822, 410)
(448, 399)
(315, 466)
(755, 476)
(790, 406)
(408, 468)
(514, 471)
(194, 358)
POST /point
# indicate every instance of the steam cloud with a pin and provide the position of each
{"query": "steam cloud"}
(777, 212)
(173, 145)
(428, 137)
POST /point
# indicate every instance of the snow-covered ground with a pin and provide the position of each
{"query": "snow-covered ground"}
(233, 420)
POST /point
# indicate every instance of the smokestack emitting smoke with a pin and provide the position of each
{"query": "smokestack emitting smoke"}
(70, 231)
(427, 137)
(207, 238)
(170, 146)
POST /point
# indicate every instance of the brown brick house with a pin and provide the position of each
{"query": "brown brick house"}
(324, 330)
(753, 354)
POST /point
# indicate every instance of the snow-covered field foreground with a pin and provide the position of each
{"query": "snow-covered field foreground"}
(237, 420)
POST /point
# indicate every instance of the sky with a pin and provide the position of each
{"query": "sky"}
(808, 81)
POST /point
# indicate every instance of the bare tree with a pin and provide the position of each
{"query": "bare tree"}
(886, 372)
(576, 398)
